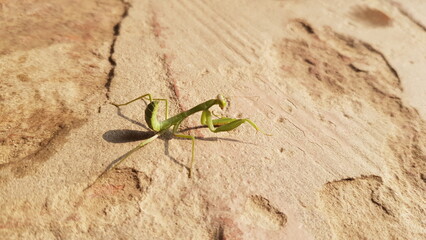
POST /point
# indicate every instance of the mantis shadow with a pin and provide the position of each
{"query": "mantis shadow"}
(119, 113)
(127, 135)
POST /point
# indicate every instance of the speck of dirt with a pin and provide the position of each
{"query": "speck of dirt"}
(23, 77)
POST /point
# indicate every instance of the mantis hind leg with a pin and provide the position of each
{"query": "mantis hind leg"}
(225, 124)
(141, 97)
(115, 163)
(175, 132)
(149, 97)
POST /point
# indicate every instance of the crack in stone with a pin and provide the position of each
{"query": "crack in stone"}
(407, 15)
(171, 81)
(165, 58)
(381, 206)
(111, 59)
(391, 68)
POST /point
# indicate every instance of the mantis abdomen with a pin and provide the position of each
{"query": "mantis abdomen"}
(151, 116)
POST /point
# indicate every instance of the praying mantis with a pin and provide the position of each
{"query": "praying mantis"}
(221, 124)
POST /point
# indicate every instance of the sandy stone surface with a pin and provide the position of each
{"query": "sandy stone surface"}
(340, 85)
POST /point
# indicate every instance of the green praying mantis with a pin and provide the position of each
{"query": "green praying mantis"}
(221, 124)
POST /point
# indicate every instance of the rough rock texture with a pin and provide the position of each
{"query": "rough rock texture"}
(339, 84)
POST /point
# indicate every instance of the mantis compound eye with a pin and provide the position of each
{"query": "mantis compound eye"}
(222, 101)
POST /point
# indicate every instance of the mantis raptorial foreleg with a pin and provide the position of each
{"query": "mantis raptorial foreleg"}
(224, 124)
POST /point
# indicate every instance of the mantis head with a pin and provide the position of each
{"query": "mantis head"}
(222, 101)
